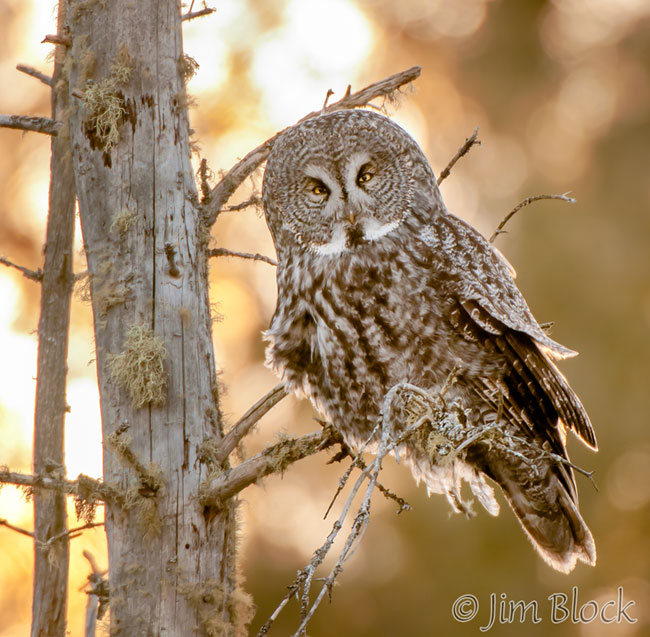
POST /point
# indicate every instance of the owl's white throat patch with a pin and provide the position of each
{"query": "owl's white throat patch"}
(339, 243)
(336, 245)
(373, 230)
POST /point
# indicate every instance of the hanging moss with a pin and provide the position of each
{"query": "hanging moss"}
(105, 103)
(140, 368)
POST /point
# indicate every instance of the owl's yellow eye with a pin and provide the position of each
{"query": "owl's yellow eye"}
(319, 190)
(364, 177)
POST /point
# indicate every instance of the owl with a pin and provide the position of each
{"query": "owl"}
(378, 286)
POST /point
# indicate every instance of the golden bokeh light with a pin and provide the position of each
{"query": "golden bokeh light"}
(561, 93)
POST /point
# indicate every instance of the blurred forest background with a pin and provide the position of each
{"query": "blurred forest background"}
(561, 92)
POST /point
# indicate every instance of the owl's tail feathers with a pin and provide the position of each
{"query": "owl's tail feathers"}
(550, 519)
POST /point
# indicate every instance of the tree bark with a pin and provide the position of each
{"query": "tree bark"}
(171, 561)
(51, 561)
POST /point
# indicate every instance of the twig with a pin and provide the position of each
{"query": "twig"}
(357, 461)
(388, 494)
(271, 460)
(26, 122)
(305, 576)
(190, 15)
(56, 39)
(463, 150)
(33, 275)
(329, 94)
(71, 533)
(248, 421)
(360, 523)
(16, 528)
(70, 487)
(98, 595)
(253, 201)
(222, 252)
(242, 169)
(28, 70)
(520, 205)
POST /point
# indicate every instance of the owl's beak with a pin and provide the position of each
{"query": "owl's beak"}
(351, 217)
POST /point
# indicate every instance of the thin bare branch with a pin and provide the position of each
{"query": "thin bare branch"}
(72, 533)
(97, 590)
(253, 201)
(302, 584)
(15, 528)
(33, 275)
(190, 15)
(329, 94)
(28, 70)
(525, 202)
(56, 39)
(70, 487)
(361, 520)
(388, 494)
(463, 150)
(222, 252)
(248, 421)
(241, 170)
(272, 460)
(28, 123)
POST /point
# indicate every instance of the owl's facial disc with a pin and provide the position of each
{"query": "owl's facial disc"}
(348, 200)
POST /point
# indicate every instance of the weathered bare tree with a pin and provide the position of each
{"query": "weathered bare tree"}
(51, 560)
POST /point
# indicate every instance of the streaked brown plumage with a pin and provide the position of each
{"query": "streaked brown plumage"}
(378, 284)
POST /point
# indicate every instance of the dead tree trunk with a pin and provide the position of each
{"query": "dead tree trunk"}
(171, 559)
(51, 560)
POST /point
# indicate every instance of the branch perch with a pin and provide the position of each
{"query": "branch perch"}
(223, 252)
(28, 123)
(15, 528)
(242, 169)
(33, 275)
(271, 460)
(71, 487)
(190, 15)
(248, 421)
(28, 70)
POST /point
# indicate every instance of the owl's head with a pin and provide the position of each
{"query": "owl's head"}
(341, 180)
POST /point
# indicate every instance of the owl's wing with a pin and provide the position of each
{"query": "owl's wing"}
(481, 280)
(485, 277)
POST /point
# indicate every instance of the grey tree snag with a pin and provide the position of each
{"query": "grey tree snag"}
(51, 562)
(171, 561)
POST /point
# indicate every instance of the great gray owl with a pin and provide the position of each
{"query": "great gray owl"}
(378, 284)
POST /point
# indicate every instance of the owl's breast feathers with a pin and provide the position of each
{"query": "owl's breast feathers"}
(411, 307)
